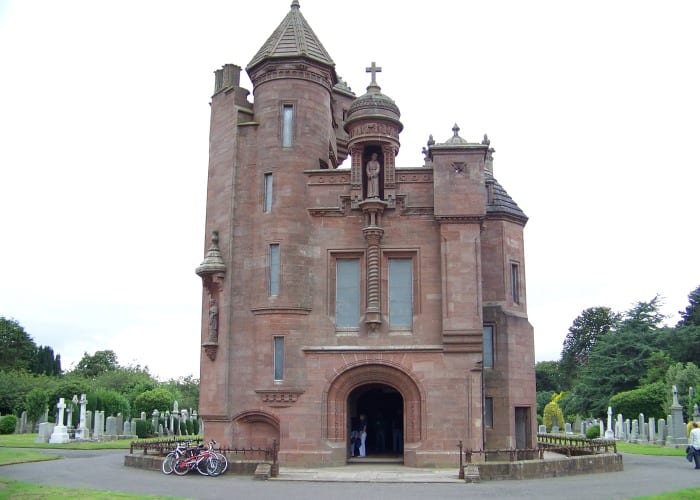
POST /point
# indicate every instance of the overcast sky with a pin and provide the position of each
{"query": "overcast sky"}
(593, 108)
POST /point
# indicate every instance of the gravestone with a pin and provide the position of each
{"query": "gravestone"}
(45, 431)
(119, 425)
(676, 428)
(609, 433)
(620, 427)
(83, 428)
(88, 419)
(628, 430)
(642, 429)
(635, 431)
(111, 426)
(567, 428)
(160, 429)
(154, 419)
(662, 431)
(22, 423)
(99, 423)
(127, 429)
(578, 425)
(60, 432)
(652, 430)
(555, 429)
(602, 428)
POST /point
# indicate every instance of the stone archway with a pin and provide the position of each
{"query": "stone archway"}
(354, 376)
(255, 429)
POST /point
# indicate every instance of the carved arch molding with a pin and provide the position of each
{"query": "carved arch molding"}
(373, 373)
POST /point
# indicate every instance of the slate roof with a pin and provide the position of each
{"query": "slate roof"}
(292, 38)
(501, 202)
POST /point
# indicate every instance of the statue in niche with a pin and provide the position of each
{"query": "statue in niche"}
(213, 320)
(373, 169)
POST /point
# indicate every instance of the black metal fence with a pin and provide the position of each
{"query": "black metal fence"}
(575, 445)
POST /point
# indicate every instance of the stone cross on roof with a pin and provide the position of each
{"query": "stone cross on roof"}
(374, 69)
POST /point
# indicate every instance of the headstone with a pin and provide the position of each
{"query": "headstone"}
(635, 431)
(83, 429)
(652, 430)
(628, 431)
(642, 429)
(88, 419)
(578, 423)
(176, 409)
(127, 429)
(111, 426)
(45, 431)
(60, 432)
(555, 429)
(160, 429)
(602, 428)
(620, 427)
(567, 428)
(119, 424)
(609, 433)
(99, 423)
(662, 431)
(22, 423)
(154, 419)
(676, 428)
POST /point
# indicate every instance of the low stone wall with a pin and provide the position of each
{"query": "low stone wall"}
(537, 469)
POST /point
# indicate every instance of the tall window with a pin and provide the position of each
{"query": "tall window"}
(488, 411)
(278, 356)
(287, 125)
(274, 269)
(400, 293)
(268, 193)
(347, 293)
(488, 346)
(515, 282)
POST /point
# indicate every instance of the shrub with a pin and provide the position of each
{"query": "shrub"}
(8, 424)
(153, 399)
(593, 432)
(648, 399)
(109, 401)
(189, 426)
(553, 414)
(144, 428)
(195, 426)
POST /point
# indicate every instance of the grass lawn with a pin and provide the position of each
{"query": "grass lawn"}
(18, 489)
(689, 494)
(27, 441)
(649, 449)
(8, 457)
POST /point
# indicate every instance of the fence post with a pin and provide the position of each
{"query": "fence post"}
(461, 465)
(275, 464)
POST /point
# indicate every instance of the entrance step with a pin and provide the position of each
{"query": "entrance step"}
(376, 459)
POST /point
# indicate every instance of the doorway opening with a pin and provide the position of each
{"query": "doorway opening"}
(383, 408)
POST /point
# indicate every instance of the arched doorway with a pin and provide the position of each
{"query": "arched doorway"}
(383, 408)
(256, 429)
(364, 382)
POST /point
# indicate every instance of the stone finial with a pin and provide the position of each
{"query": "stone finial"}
(374, 69)
(212, 263)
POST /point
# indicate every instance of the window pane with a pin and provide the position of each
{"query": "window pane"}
(488, 412)
(279, 358)
(287, 125)
(488, 346)
(401, 293)
(274, 269)
(515, 282)
(347, 292)
(268, 193)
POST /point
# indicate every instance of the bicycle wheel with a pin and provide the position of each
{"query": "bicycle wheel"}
(202, 465)
(169, 463)
(213, 466)
(182, 466)
(223, 462)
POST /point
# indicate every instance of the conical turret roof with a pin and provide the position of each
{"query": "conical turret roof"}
(292, 38)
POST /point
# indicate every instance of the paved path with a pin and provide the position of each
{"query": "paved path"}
(105, 470)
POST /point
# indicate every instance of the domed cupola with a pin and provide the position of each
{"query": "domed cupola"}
(373, 125)
(373, 105)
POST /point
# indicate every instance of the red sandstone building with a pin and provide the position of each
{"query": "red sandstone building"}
(336, 284)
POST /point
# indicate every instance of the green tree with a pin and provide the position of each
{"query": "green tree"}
(683, 343)
(548, 376)
(586, 330)
(649, 399)
(691, 315)
(618, 361)
(130, 381)
(155, 399)
(553, 414)
(542, 398)
(44, 361)
(14, 387)
(683, 376)
(97, 364)
(658, 364)
(185, 390)
(35, 402)
(16, 346)
(109, 401)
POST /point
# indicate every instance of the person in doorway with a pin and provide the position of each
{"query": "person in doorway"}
(694, 443)
(354, 437)
(363, 435)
